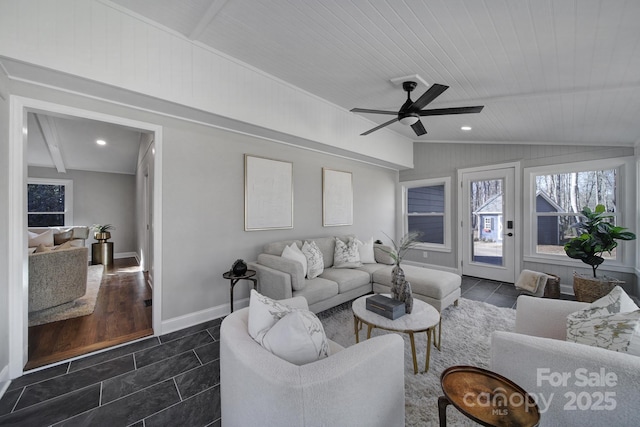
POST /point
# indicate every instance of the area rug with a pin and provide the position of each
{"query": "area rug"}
(466, 340)
(80, 307)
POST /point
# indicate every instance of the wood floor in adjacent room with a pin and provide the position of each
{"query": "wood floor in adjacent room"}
(121, 315)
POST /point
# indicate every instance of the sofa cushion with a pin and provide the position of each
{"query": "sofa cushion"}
(327, 246)
(62, 237)
(347, 279)
(294, 253)
(264, 312)
(381, 253)
(317, 289)
(45, 238)
(315, 262)
(298, 338)
(367, 256)
(346, 255)
(42, 248)
(424, 281)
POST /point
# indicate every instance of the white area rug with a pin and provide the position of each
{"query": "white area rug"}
(466, 340)
(81, 307)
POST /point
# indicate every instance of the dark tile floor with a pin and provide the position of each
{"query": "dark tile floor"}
(167, 381)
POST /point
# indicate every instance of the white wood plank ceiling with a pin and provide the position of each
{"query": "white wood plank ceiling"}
(547, 71)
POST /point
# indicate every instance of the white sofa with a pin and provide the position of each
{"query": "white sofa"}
(537, 355)
(280, 278)
(362, 385)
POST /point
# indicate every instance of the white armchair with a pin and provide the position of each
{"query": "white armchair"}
(362, 385)
(574, 384)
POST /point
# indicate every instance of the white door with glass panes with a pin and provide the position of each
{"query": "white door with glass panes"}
(487, 224)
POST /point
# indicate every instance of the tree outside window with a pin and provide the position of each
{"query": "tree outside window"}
(559, 199)
(48, 203)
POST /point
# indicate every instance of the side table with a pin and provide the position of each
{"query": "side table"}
(102, 253)
(249, 275)
(486, 397)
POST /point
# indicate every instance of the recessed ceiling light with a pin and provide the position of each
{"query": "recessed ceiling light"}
(101, 142)
(466, 128)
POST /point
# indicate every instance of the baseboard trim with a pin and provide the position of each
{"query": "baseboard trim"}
(4, 380)
(432, 266)
(202, 316)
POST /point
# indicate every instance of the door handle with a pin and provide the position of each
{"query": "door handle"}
(509, 234)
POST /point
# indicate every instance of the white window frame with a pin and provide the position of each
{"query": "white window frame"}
(68, 197)
(446, 181)
(625, 202)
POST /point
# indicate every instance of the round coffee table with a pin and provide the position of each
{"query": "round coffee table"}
(486, 397)
(423, 318)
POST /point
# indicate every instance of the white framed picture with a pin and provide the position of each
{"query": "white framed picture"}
(337, 198)
(268, 193)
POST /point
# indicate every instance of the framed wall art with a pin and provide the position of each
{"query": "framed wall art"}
(268, 193)
(337, 198)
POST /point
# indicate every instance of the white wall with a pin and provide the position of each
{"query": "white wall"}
(101, 198)
(440, 160)
(4, 230)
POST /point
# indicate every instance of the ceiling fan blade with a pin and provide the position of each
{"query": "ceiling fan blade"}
(444, 111)
(395, 119)
(418, 128)
(364, 110)
(432, 93)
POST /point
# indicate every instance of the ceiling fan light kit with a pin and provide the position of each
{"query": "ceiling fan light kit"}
(410, 112)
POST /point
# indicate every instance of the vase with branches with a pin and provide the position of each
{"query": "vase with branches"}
(400, 287)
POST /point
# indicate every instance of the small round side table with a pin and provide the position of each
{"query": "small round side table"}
(249, 275)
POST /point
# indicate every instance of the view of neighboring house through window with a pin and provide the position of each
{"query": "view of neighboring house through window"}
(427, 211)
(559, 197)
(49, 202)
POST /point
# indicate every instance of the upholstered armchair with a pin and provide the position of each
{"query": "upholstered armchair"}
(574, 384)
(362, 385)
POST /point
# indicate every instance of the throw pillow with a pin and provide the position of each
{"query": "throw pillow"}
(42, 248)
(294, 253)
(346, 255)
(617, 332)
(45, 238)
(61, 237)
(366, 251)
(298, 338)
(264, 312)
(616, 301)
(65, 245)
(315, 262)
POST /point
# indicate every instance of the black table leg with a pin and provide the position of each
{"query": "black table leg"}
(443, 402)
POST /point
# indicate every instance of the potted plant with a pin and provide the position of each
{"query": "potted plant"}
(596, 235)
(101, 232)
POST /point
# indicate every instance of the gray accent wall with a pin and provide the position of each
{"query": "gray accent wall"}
(203, 201)
(101, 198)
(441, 160)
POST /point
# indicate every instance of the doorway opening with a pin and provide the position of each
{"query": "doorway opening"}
(123, 281)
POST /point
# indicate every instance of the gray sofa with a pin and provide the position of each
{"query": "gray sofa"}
(281, 278)
(57, 276)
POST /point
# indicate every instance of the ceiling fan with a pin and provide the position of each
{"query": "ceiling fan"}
(410, 112)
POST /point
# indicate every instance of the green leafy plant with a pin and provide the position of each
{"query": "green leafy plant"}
(596, 236)
(408, 241)
(102, 228)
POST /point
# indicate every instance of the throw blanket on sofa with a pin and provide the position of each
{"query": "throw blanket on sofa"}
(531, 281)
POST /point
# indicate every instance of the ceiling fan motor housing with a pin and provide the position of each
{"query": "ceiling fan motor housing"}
(405, 115)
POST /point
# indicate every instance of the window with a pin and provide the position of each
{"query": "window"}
(559, 193)
(427, 210)
(488, 224)
(49, 202)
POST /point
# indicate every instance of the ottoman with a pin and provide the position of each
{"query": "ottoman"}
(436, 287)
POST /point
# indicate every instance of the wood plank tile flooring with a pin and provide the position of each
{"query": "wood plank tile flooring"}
(121, 315)
(169, 380)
